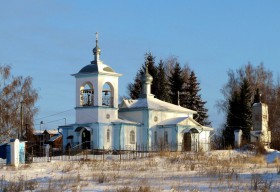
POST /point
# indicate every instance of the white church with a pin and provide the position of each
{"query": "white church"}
(103, 123)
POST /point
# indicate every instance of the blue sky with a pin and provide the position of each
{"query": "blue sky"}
(50, 40)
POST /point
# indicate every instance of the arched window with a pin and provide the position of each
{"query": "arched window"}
(107, 95)
(132, 137)
(86, 94)
(108, 135)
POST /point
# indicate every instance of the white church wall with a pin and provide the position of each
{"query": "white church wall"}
(100, 135)
(129, 142)
(174, 139)
(139, 136)
(260, 132)
(136, 116)
(94, 114)
(86, 115)
(108, 137)
(107, 114)
(165, 135)
(260, 116)
(204, 141)
(158, 116)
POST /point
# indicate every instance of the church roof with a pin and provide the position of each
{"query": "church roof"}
(173, 121)
(123, 120)
(94, 68)
(55, 137)
(82, 127)
(184, 121)
(154, 104)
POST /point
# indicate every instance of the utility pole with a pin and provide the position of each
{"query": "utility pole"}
(21, 121)
(26, 126)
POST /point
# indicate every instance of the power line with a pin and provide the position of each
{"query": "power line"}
(50, 121)
(53, 114)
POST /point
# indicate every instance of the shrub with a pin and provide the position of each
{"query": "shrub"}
(277, 163)
(140, 189)
(260, 149)
(102, 178)
(258, 159)
(260, 183)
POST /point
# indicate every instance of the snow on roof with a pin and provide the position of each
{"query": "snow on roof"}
(153, 103)
(205, 128)
(51, 132)
(179, 120)
(172, 121)
(55, 137)
(123, 120)
(38, 132)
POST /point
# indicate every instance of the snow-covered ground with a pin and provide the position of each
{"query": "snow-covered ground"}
(227, 170)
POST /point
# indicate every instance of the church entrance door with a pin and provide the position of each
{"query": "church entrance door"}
(187, 142)
(85, 139)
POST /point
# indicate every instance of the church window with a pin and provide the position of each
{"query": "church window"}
(108, 135)
(155, 119)
(86, 95)
(132, 137)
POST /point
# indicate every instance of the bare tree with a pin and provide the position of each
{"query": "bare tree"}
(17, 100)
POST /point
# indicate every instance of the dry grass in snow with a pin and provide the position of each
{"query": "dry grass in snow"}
(226, 170)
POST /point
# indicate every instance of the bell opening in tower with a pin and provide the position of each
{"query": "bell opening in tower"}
(107, 98)
(87, 95)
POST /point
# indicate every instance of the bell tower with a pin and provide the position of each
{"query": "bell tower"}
(260, 132)
(96, 91)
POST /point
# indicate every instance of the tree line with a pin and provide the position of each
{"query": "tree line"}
(172, 83)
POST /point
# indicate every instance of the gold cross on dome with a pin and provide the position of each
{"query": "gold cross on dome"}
(96, 36)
